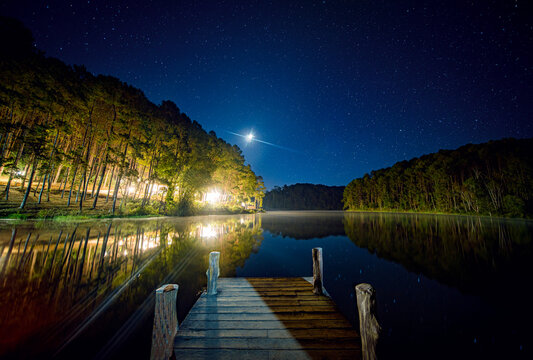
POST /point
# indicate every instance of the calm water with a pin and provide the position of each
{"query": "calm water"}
(447, 286)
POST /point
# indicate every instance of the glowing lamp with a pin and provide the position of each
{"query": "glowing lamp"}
(212, 197)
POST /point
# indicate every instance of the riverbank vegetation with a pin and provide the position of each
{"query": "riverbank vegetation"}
(494, 178)
(72, 141)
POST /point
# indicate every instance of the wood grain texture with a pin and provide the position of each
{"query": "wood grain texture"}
(165, 322)
(368, 323)
(266, 318)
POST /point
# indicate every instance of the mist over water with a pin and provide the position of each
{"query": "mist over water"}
(453, 283)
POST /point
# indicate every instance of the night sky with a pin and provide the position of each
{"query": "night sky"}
(342, 87)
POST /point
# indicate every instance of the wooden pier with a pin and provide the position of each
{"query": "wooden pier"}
(264, 318)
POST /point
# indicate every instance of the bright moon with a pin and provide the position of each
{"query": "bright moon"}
(249, 137)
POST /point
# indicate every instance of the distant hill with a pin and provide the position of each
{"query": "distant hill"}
(304, 197)
(493, 178)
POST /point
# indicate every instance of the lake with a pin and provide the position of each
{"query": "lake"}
(447, 286)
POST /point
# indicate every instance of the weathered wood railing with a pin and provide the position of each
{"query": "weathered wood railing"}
(165, 322)
(369, 328)
(318, 272)
(212, 272)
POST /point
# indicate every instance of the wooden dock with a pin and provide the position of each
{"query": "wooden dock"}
(266, 318)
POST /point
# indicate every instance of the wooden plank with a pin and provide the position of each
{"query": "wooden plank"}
(272, 334)
(314, 333)
(222, 354)
(229, 290)
(236, 296)
(262, 309)
(183, 342)
(232, 354)
(273, 292)
(303, 284)
(265, 316)
(261, 302)
(265, 324)
(222, 333)
(337, 354)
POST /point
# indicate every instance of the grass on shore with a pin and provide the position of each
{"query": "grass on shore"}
(56, 208)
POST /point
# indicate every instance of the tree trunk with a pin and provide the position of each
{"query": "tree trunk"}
(28, 189)
(49, 185)
(38, 184)
(65, 183)
(17, 158)
(120, 174)
(48, 169)
(76, 166)
(110, 183)
(96, 177)
(104, 166)
(42, 189)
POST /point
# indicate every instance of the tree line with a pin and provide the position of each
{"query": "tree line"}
(493, 178)
(83, 136)
(304, 197)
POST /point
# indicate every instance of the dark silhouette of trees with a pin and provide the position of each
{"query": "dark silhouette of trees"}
(304, 197)
(494, 178)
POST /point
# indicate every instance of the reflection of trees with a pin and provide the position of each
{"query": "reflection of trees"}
(69, 273)
(469, 253)
(303, 225)
(238, 246)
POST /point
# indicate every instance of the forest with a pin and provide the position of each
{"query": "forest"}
(493, 178)
(304, 197)
(88, 141)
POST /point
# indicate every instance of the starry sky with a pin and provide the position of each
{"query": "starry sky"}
(341, 87)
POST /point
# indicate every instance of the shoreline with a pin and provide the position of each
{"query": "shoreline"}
(89, 217)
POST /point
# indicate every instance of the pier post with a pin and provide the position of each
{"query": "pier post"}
(318, 272)
(165, 322)
(213, 272)
(368, 323)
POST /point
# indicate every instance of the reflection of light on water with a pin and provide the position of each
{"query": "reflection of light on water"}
(207, 231)
(151, 243)
(217, 230)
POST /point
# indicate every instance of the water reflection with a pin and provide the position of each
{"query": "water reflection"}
(453, 283)
(60, 281)
(304, 225)
(88, 285)
(469, 253)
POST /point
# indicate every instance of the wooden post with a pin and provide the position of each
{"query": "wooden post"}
(165, 322)
(368, 324)
(318, 272)
(213, 272)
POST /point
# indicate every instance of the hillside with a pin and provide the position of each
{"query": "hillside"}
(493, 178)
(304, 197)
